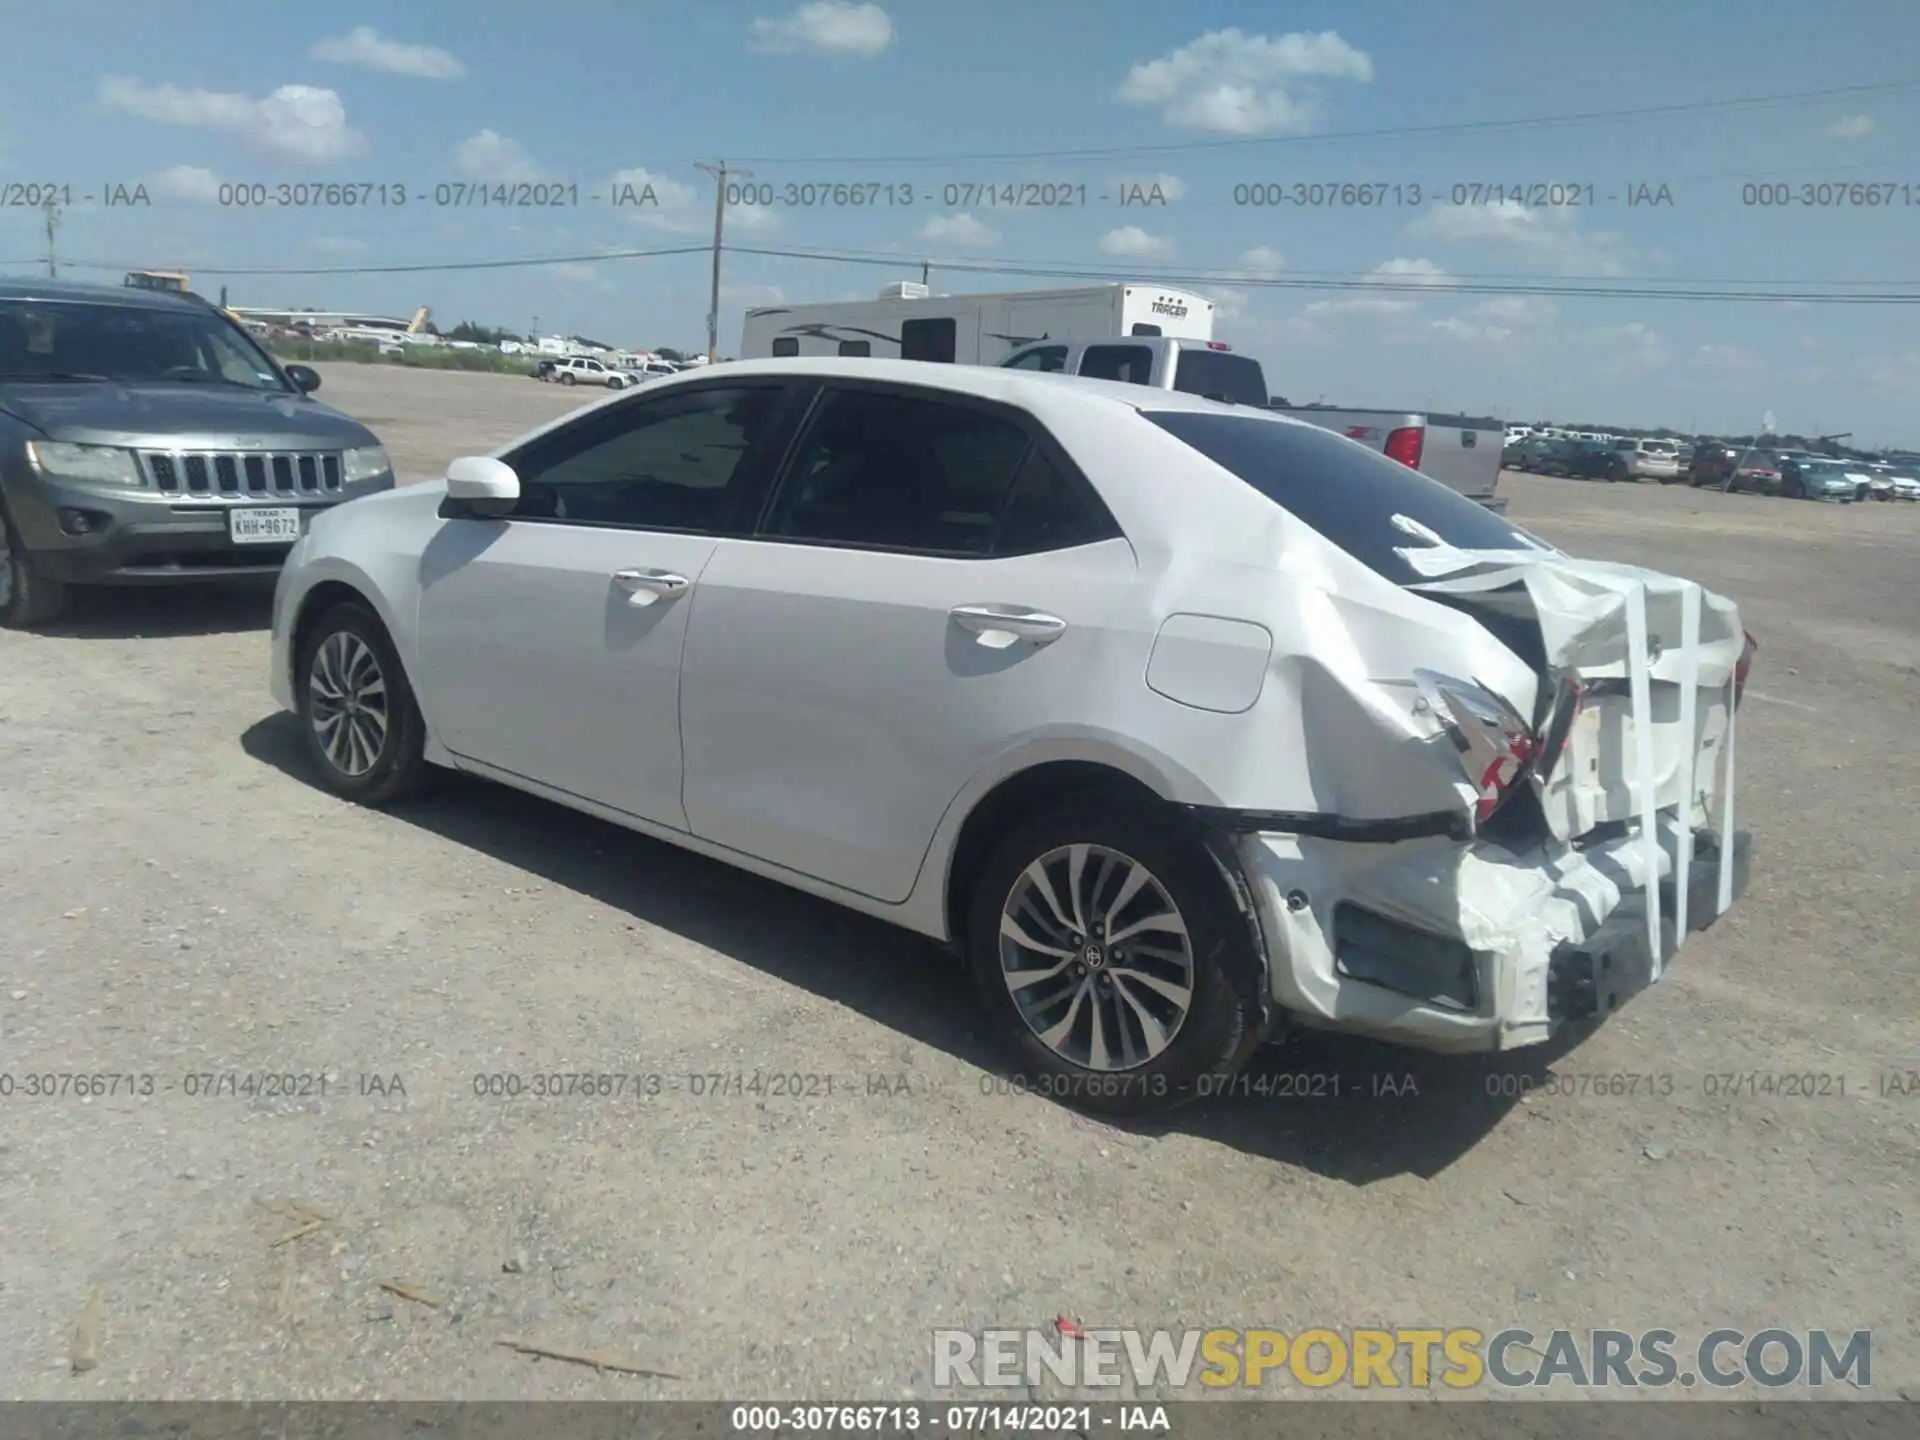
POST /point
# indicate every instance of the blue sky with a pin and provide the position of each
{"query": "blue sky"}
(1200, 97)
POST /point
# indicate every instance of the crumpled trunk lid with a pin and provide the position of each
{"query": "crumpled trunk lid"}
(1641, 669)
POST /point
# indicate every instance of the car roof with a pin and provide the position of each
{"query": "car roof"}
(1034, 389)
(87, 293)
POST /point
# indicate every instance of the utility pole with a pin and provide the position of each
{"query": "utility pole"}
(925, 270)
(53, 223)
(720, 175)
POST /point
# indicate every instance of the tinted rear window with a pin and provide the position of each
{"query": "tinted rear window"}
(1230, 377)
(1347, 492)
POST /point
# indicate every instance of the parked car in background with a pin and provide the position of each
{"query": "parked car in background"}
(1818, 478)
(1584, 460)
(146, 439)
(1462, 452)
(1903, 480)
(1754, 471)
(1650, 459)
(585, 370)
(1711, 463)
(1871, 481)
(1057, 651)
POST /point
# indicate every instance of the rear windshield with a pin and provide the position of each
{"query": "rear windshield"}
(1348, 493)
(1238, 378)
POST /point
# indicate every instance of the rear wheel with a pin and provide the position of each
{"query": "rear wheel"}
(27, 598)
(362, 726)
(1102, 943)
(566, 377)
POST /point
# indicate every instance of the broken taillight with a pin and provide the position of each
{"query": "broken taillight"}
(1406, 445)
(1498, 749)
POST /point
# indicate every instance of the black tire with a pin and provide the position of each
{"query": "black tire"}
(1216, 1033)
(399, 767)
(31, 599)
(566, 377)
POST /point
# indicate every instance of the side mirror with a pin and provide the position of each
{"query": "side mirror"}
(304, 377)
(479, 488)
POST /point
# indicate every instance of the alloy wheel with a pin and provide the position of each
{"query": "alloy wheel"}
(1097, 957)
(347, 703)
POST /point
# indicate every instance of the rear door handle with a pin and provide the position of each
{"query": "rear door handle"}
(647, 586)
(998, 626)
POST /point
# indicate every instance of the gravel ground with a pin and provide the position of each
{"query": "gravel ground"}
(180, 900)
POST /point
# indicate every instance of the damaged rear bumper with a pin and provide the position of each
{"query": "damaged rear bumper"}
(1462, 947)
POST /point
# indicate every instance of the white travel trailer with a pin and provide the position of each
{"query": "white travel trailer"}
(908, 323)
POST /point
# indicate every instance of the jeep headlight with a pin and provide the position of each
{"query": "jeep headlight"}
(367, 462)
(94, 464)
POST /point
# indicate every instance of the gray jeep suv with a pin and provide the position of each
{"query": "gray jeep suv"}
(145, 438)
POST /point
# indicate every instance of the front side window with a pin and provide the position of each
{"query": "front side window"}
(41, 339)
(898, 472)
(663, 464)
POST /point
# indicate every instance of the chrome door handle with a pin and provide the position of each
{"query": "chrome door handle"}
(998, 626)
(646, 586)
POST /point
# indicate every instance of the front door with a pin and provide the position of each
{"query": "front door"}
(550, 641)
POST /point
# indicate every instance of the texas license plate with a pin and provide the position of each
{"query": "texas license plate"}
(278, 525)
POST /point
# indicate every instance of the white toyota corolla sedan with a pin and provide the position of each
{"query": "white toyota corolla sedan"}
(1182, 722)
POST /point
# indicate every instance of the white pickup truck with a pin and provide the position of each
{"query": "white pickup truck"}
(1198, 367)
(1462, 452)
(1458, 451)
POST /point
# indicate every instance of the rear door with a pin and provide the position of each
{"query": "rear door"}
(931, 581)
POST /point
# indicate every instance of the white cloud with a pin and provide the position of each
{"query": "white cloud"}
(1423, 273)
(1548, 235)
(1228, 82)
(185, 182)
(961, 229)
(1262, 262)
(1171, 187)
(1635, 343)
(1851, 127)
(593, 277)
(303, 124)
(1398, 272)
(1130, 242)
(827, 27)
(680, 209)
(366, 47)
(339, 246)
(494, 159)
(1518, 310)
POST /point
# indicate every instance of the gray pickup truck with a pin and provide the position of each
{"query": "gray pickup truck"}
(1197, 367)
(1460, 451)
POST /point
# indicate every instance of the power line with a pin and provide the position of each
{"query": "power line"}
(1395, 132)
(1449, 285)
(1232, 276)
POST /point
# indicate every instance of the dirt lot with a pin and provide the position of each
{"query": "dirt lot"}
(180, 900)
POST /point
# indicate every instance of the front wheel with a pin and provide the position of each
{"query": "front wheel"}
(362, 726)
(27, 598)
(567, 379)
(1103, 944)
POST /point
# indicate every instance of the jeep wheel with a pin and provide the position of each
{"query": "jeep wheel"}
(27, 598)
(362, 726)
(1099, 939)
